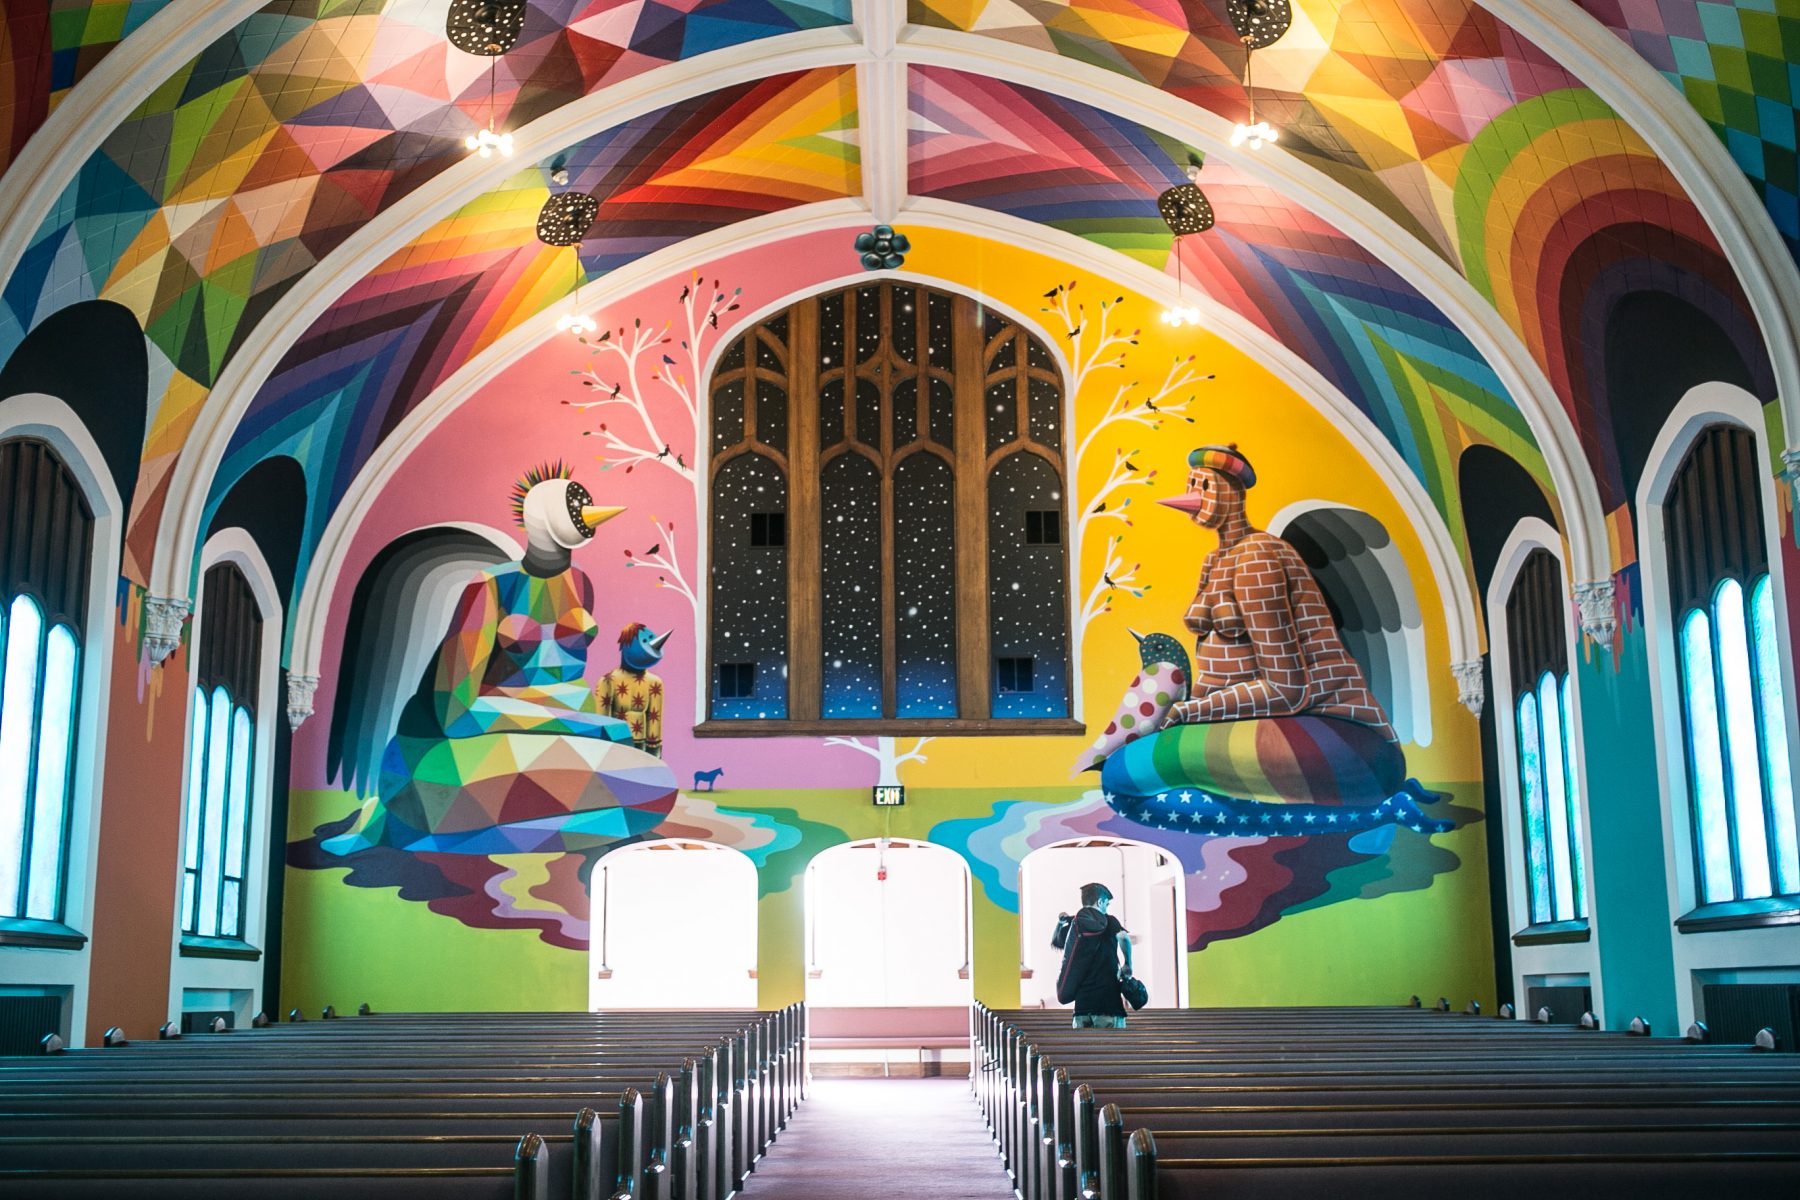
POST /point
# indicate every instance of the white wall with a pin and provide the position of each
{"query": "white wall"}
(675, 922)
(902, 940)
(1146, 888)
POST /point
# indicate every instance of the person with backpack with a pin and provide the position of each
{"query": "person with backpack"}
(1092, 975)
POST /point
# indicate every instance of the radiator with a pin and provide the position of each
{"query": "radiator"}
(1735, 1011)
(1566, 1004)
(24, 1020)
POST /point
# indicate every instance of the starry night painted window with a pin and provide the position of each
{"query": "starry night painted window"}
(1734, 709)
(1548, 797)
(216, 847)
(888, 520)
(46, 543)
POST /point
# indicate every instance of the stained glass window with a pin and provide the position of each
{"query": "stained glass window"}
(46, 538)
(1549, 801)
(221, 758)
(891, 397)
(1733, 696)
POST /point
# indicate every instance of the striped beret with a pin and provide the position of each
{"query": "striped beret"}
(1226, 460)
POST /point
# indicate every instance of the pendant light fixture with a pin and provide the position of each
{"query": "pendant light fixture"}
(1185, 209)
(564, 221)
(1258, 24)
(489, 28)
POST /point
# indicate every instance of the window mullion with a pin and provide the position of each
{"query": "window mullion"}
(969, 382)
(805, 584)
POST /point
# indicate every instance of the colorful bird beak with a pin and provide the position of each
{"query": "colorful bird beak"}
(656, 643)
(595, 515)
(1134, 633)
(1187, 502)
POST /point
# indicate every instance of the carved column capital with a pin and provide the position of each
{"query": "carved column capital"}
(163, 617)
(1471, 687)
(1599, 618)
(301, 690)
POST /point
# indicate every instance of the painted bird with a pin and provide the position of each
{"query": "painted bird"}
(1164, 677)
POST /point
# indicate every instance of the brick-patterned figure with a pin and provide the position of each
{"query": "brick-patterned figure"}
(631, 692)
(1265, 644)
(1276, 733)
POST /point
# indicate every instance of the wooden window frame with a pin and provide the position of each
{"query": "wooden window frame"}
(973, 350)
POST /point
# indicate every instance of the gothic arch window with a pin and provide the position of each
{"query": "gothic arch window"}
(46, 547)
(222, 777)
(1732, 703)
(889, 522)
(1544, 750)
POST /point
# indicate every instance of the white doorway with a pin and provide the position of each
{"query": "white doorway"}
(1148, 898)
(674, 926)
(887, 925)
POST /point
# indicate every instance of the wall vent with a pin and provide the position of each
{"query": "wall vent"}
(1566, 1004)
(24, 1020)
(1735, 1011)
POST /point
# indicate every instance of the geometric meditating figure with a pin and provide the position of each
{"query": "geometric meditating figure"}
(1276, 731)
(503, 749)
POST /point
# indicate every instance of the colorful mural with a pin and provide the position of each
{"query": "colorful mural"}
(291, 132)
(1732, 60)
(408, 325)
(1467, 135)
(1240, 881)
(1337, 305)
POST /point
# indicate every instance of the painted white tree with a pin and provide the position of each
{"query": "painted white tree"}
(886, 753)
(618, 360)
(1096, 344)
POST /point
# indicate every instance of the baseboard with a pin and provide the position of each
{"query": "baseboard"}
(898, 1070)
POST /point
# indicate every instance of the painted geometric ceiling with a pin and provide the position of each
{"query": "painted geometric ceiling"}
(218, 189)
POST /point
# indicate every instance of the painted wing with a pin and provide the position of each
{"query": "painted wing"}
(398, 615)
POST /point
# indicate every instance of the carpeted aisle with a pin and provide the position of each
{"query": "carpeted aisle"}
(883, 1137)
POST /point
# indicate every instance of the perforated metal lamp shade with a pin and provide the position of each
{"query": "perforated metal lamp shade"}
(1259, 23)
(566, 217)
(1185, 209)
(485, 27)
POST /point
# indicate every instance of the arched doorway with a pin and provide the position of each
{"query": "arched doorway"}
(674, 926)
(887, 925)
(1148, 898)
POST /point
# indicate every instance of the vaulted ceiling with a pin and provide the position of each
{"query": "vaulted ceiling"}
(1460, 196)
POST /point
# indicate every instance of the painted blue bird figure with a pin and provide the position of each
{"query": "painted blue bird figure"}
(630, 692)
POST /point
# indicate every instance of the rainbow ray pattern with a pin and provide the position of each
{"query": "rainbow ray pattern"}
(1336, 305)
(412, 322)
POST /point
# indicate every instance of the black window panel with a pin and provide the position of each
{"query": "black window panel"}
(1016, 673)
(1713, 517)
(768, 529)
(46, 532)
(230, 635)
(1043, 527)
(737, 681)
(1537, 622)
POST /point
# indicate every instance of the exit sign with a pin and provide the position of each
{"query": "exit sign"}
(890, 796)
